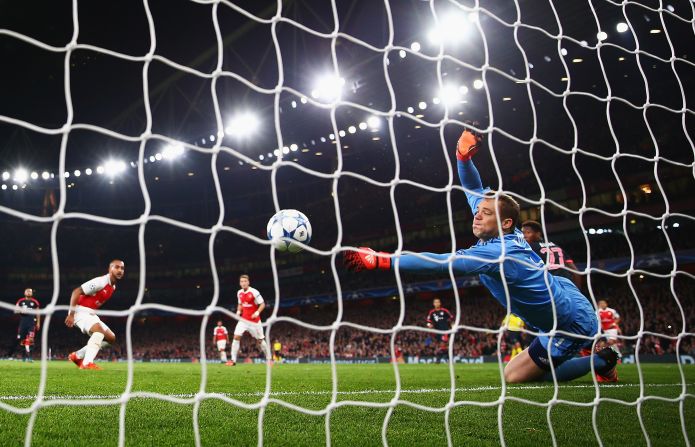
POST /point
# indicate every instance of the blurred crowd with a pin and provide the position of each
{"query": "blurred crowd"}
(366, 327)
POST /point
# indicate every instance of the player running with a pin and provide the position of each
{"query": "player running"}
(610, 319)
(558, 261)
(530, 297)
(84, 302)
(29, 323)
(220, 337)
(249, 308)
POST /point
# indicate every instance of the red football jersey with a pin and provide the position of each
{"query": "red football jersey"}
(609, 318)
(249, 300)
(97, 291)
(220, 333)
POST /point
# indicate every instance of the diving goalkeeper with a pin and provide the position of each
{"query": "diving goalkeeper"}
(531, 290)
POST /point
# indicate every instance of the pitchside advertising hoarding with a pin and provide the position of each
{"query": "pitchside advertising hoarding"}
(627, 359)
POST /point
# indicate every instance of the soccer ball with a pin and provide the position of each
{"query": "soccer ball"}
(292, 225)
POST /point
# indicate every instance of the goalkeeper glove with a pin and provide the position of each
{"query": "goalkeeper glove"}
(357, 261)
(468, 145)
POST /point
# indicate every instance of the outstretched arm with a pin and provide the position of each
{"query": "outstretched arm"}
(480, 259)
(469, 176)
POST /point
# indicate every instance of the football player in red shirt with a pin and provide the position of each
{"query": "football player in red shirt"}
(220, 337)
(84, 303)
(249, 308)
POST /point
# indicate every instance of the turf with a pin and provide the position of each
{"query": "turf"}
(150, 421)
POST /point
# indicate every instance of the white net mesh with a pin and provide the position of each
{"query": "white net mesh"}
(475, 61)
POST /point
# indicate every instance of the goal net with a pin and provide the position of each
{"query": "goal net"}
(167, 134)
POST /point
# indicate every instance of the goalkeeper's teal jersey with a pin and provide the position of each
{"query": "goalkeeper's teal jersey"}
(531, 291)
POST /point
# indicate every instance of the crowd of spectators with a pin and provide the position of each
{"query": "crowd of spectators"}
(366, 327)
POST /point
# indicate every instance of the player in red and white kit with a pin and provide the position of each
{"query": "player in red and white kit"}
(609, 319)
(249, 308)
(84, 303)
(220, 337)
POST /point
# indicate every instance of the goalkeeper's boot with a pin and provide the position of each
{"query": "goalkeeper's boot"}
(611, 355)
(90, 366)
(230, 363)
(74, 359)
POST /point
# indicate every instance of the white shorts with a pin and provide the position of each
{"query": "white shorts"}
(84, 320)
(254, 329)
(611, 334)
(221, 345)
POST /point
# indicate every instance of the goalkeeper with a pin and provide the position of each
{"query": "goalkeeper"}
(531, 291)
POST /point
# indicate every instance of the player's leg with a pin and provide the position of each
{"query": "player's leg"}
(258, 334)
(238, 332)
(99, 333)
(222, 348)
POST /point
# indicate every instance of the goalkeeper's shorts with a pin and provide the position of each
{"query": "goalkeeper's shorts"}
(562, 347)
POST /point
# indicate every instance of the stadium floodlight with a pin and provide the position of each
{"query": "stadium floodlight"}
(4, 186)
(242, 125)
(363, 125)
(294, 147)
(452, 28)
(5, 175)
(463, 90)
(373, 122)
(478, 84)
(158, 156)
(114, 167)
(415, 46)
(410, 110)
(77, 173)
(45, 175)
(328, 88)
(14, 187)
(563, 51)
(621, 27)
(601, 36)
(88, 171)
(352, 129)
(402, 54)
(422, 105)
(21, 175)
(172, 151)
(341, 133)
(66, 175)
(34, 175)
(100, 169)
(450, 94)
(152, 158)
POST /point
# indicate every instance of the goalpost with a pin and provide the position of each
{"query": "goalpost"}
(442, 53)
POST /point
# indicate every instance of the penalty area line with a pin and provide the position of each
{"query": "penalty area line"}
(511, 388)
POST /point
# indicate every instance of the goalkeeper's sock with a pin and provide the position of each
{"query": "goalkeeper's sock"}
(223, 356)
(235, 350)
(264, 348)
(80, 354)
(105, 344)
(93, 346)
(577, 367)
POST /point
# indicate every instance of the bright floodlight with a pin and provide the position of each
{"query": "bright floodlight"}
(21, 175)
(373, 122)
(422, 105)
(352, 129)
(171, 152)
(45, 175)
(242, 125)
(363, 125)
(88, 171)
(415, 46)
(402, 54)
(450, 94)
(114, 167)
(621, 27)
(478, 84)
(294, 147)
(328, 88)
(34, 175)
(601, 36)
(77, 173)
(5, 175)
(451, 28)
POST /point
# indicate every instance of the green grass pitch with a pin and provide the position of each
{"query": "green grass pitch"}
(150, 421)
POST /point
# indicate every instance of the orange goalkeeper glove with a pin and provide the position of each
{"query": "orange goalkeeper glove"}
(468, 145)
(357, 261)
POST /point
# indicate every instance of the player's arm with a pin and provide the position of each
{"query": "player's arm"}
(475, 260)
(468, 144)
(577, 279)
(429, 319)
(38, 317)
(260, 302)
(18, 309)
(74, 298)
